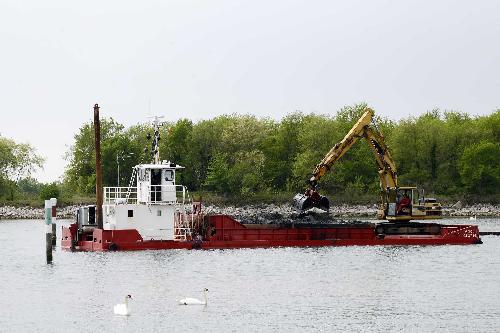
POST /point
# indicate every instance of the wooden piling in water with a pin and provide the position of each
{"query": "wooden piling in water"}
(53, 211)
(53, 237)
(48, 231)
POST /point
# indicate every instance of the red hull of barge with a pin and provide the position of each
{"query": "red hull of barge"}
(227, 233)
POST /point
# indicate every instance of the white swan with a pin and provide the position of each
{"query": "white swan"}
(472, 217)
(123, 309)
(194, 301)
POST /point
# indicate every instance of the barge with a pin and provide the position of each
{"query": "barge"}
(223, 232)
(156, 213)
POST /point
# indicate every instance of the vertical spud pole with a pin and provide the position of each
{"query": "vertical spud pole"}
(98, 176)
(48, 230)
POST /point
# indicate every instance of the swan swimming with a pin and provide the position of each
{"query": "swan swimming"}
(194, 301)
(472, 217)
(123, 309)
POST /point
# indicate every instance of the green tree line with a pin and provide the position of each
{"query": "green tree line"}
(447, 153)
(17, 162)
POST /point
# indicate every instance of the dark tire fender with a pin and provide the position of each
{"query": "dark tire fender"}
(113, 247)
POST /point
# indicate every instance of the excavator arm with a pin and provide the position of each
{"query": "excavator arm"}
(362, 128)
(396, 203)
(386, 165)
(342, 147)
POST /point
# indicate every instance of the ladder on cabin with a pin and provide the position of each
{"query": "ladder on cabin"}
(131, 182)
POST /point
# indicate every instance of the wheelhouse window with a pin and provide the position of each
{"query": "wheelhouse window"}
(130, 213)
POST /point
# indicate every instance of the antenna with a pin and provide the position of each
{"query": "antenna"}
(156, 121)
(155, 148)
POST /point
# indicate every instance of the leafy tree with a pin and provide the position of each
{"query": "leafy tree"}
(416, 147)
(17, 160)
(479, 168)
(217, 176)
(80, 172)
(205, 142)
(49, 191)
(280, 148)
(246, 175)
(139, 147)
(29, 185)
(175, 145)
(318, 134)
(243, 133)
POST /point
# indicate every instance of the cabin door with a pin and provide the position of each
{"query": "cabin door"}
(143, 183)
(156, 185)
(168, 182)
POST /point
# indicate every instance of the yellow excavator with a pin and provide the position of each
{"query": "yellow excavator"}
(396, 203)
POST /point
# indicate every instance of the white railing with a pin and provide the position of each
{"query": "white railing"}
(165, 194)
(120, 195)
(153, 194)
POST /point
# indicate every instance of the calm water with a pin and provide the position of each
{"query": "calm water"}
(421, 289)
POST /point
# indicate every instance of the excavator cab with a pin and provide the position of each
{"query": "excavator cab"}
(408, 203)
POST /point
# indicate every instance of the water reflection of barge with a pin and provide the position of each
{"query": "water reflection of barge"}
(156, 214)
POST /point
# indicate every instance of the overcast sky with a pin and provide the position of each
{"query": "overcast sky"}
(200, 59)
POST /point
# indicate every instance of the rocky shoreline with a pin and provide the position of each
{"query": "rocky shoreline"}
(10, 212)
(265, 213)
(288, 214)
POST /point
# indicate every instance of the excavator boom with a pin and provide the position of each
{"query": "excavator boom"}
(342, 147)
